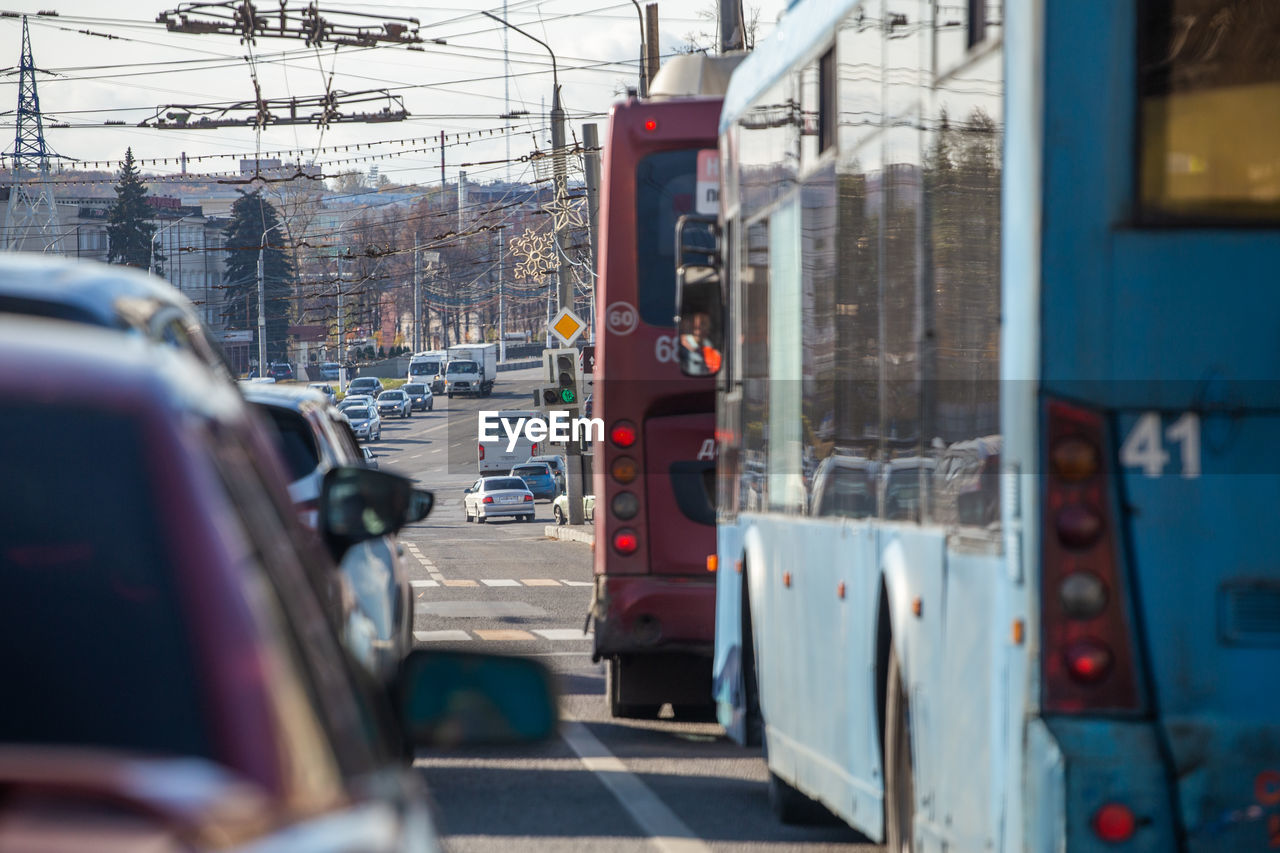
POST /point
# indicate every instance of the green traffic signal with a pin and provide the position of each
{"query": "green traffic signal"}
(568, 395)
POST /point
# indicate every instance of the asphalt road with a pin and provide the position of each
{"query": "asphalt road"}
(604, 784)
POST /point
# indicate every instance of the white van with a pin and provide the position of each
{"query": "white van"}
(493, 456)
(428, 368)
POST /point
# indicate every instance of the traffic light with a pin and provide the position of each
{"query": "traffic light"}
(560, 368)
(547, 397)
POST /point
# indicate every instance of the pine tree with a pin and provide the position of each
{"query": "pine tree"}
(129, 230)
(251, 215)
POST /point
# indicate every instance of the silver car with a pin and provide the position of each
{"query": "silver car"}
(364, 420)
(498, 497)
(395, 403)
(313, 439)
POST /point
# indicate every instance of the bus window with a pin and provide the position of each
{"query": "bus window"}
(664, 192)
(1210, 144)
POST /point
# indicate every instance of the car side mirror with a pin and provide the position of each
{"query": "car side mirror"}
(363, 503)
(452, 698)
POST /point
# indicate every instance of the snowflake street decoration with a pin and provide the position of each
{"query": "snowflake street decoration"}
(566, 212)
(536, 253)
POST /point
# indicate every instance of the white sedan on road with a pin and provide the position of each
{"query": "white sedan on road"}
(498, 497)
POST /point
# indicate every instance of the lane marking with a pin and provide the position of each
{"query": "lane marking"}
(576, 583)
(540, 582)
(562, 634)
(418, 584)
(416, 456)
(665, 829)
(503, 635)
(440, 636)
(499, 582)
(460, 582)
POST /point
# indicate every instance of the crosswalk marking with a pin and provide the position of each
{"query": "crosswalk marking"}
(503, 635)
(499, 582)
(440, 636)
(460, 582)
(576, 583)
(540, 582)
(562, 634)
(419, 584)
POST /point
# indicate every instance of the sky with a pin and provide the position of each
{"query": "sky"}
(121, 67)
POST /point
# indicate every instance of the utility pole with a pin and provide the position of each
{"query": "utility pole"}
(502, 305)
(417, 298)
(651, 23)
(732, 36)
(591, 141)
(644, 77)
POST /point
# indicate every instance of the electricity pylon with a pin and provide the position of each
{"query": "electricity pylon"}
(31, 219)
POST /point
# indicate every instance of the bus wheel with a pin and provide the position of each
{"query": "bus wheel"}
(899, 782)
(631, 711)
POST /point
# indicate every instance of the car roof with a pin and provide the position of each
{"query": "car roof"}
(291, 396)
(62, 362)
(96, 294)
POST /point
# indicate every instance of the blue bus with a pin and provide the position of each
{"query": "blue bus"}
(994, 409)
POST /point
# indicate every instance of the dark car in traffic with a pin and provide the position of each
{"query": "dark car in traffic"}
(172, 665)
(540, 479)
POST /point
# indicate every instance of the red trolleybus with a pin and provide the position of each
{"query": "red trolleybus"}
(654, 598)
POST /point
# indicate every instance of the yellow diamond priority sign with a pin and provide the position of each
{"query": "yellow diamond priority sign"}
(567, 327)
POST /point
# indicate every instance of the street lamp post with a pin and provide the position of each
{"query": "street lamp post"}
(262, 302)
(151, 262)
(644, 76)
(573, 477)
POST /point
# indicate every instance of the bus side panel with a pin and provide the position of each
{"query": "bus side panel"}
(811, 647)
(728, 687)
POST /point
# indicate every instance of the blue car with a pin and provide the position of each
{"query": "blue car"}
(538, 478)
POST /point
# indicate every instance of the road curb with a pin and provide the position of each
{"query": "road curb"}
(584, 534)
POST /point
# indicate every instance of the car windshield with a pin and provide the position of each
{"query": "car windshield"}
(500, 483)
(356, 412)
(389, 395)
(462, 367)
(362, 383)
(415, 389)
(89, 608)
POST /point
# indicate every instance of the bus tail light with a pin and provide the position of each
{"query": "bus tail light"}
(625, 541)
(623, 434)
(624, 469)
(1089, 658)
(480, 451)
(625, 505)
(1114, 822)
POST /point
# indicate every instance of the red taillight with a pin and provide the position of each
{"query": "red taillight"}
(1088, 661)
(534, 450)
(487, 500)
(625, 542)
(1090, 665)
(623, 434)
(528, 497)
(650, 125)
(481, 451)
(1114, 822)
(309, 512)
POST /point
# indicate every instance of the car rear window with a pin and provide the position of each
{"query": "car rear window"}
(501, 483)
(529, 469)
(295, 439)
(97, 653)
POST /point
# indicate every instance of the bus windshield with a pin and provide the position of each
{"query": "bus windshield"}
(664, 193)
